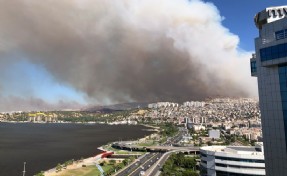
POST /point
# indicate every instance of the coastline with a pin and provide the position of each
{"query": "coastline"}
(61, 143)
(97, 158)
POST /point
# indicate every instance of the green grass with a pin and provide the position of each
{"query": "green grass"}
(147, 144)
(84, 171)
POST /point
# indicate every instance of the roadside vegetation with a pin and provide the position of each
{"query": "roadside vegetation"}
(109, 167)
(115, 166)
(168, 130)
(180, 165)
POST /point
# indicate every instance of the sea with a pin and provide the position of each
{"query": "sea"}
(43, 145)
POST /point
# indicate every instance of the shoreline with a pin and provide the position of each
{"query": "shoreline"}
(92, 160)
(105, 134)
(91, 122)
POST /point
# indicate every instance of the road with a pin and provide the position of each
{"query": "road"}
(141, 164)
(156, 168)
(146, 165)
(151, 163)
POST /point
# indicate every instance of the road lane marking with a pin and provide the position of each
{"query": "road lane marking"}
(142, 164)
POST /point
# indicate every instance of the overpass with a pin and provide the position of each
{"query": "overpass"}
(131, 147)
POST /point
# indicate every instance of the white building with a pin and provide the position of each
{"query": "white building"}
(215, 134)
(193, 104)
(197, 127)
(162, 105)
(269, 64)
(232, 160)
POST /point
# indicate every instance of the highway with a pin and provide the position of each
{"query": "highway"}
(154, 170)
(141, 164)
(146, 165)
(151, 163)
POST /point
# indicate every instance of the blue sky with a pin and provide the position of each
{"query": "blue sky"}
(36, 82)
(239, 17)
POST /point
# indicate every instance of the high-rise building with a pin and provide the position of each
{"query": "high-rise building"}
(269, 64)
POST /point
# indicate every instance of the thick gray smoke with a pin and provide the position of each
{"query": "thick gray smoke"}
(16, 103)
(128, 50)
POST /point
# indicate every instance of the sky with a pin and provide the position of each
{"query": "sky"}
(238, 17)
(29, 76)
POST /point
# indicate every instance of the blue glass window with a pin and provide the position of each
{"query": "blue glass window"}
(273, 52)
(282, 70)
(283, 86)
(280, 35)
(253, 66)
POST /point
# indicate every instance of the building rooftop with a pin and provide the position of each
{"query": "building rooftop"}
(244, 150)
(269, 15)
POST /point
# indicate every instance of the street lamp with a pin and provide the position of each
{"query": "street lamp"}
(24, 171)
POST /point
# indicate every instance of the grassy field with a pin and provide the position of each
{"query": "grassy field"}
(84, 171)
(147, 144)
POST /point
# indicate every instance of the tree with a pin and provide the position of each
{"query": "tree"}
(179, 159)
(103, 163)
(132, 158)
(189, 163)
(119, 166)
(40, 174)
(109, 172)
(125, 162)
(59, 167)
(112, 162)
(189, 173)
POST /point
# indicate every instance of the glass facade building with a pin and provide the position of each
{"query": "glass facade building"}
(270, 68)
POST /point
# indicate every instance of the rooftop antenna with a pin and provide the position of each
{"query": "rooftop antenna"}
(24, 171)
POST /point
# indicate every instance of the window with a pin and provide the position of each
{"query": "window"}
(220, 165)
(281, 34)
(237, 166)
(221, 173)
(203, 155)
(274, 52)
(239, 159)
(253, 66)
(282, 70)
(203, 171)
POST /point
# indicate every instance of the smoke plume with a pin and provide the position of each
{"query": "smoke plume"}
(128, 50)
(16, 103)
